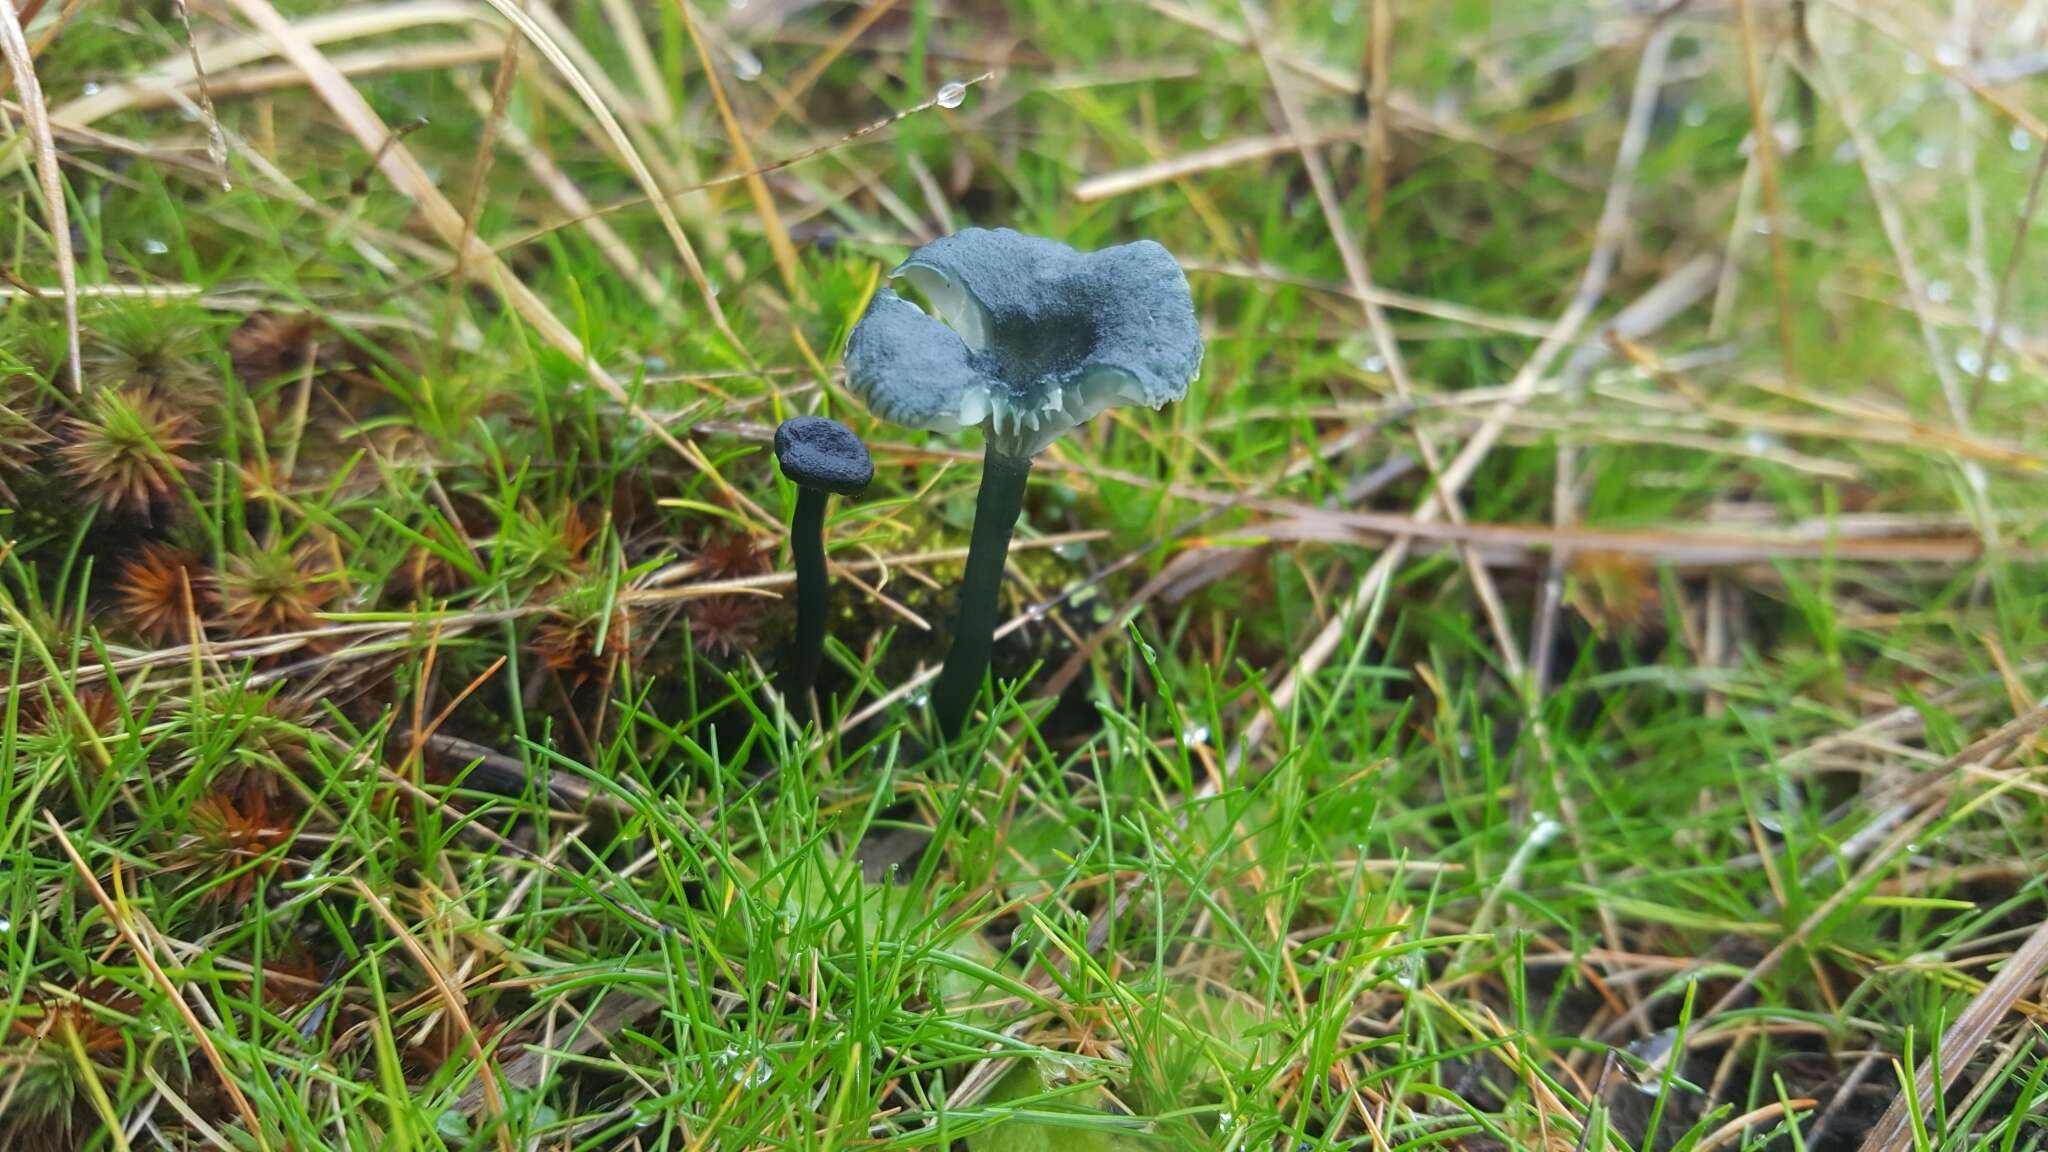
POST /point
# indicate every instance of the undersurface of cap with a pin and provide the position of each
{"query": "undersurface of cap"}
(1036, 337)
(818, 452)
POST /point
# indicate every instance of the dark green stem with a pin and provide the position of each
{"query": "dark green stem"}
(996, 510)
(813, 593)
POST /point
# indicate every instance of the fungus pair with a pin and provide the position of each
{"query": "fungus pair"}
(1032, 338)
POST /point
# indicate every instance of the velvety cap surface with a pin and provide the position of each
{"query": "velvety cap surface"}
(817, 452)
(1036, 338)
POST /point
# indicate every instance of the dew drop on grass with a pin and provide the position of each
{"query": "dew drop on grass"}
(155, 247)
(1195, 735)
(952, 94)
(1927, 156)
(2019, 140)
(745, 65)
(6, 925)
(90, 88)
(1653, 1050)
(2000, 372)
(1969, 360)
(1939, 292)
(1409, 971)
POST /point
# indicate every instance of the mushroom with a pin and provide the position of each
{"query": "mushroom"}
(1036, 338)
(822, 457)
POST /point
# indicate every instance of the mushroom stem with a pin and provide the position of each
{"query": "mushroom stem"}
(996, 509)
(813, 591)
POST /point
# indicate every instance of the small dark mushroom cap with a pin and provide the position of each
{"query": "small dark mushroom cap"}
(817, 452)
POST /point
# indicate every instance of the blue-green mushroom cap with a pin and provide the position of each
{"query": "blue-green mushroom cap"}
(1032, 337)
(819, 452)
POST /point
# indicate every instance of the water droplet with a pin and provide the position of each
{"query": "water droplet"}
(1226, 1119)
(1845, 152)
(1949, 56)
(1068, 1069)
(1695, 114)
(6, 925)
(1969, 361)
(1927, 156)
(1761, 227)
(1939, 292)
(1409, 971)
(745, 65)
(1374, 364)
(91, 88)
(656, 364)
(2019, 139)
(921, 700)
(1653, 1050)
(952, 94)
(1999, 374)
(155, 247)
(1196, 734)
(1071, 550)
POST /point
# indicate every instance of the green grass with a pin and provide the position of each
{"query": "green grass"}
(474, 822)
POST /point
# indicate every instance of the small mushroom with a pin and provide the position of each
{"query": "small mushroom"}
(1036, 338)
(823, 458)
